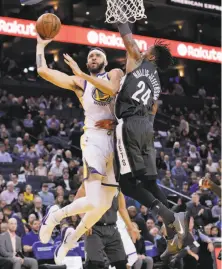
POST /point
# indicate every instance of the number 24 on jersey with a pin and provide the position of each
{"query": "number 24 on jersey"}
(142, 94)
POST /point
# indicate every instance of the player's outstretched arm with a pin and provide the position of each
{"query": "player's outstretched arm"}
(133, 231)
(109, 87)
(130, 44)
(56, 77)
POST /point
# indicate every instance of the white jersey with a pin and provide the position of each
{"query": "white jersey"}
(96, 104)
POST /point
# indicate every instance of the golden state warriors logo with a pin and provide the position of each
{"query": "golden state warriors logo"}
(100, 98)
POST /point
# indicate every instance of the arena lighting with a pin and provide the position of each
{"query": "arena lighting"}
(25, 70)
(108, 39)
(31, 68)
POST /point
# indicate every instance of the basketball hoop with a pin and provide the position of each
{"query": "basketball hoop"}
(133, 10)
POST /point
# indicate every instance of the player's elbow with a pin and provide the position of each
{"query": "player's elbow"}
(42, 71)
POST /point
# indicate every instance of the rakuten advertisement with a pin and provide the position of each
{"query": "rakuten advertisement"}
(107, 39)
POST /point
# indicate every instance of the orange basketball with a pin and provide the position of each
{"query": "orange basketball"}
(48, 26)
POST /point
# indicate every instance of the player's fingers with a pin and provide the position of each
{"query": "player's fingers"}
(67, 62)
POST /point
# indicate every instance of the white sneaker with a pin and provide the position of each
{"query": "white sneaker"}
(48, 224)
(64, 247)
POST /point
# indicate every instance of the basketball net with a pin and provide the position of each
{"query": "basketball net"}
(133, 10)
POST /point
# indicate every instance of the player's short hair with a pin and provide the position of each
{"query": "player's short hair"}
(163, 56)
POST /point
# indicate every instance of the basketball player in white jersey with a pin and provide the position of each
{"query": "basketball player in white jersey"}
(97, 144)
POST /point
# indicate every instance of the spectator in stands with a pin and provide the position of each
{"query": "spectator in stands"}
(212, 136)
(138, 220)
(38, 209)
(31, 153)
(41, 169)
(19, 206)
(150, 224)
(11, 248)
(211, 166)
(48, 198)
(28, 123)
(4, 133)
(3, 227)
(167, 181)
(186, 168)
(176, 150)
(144, 213)
(73, 168)
(19, 144)
(68, 156)
(185, 189)
(62, 131)
(40, 148)
(71, 198)
(53, 122)
(57, 168)
(2, 204)
(18, 186)
(31, 218)
(28, 195)
(8, 213)
(8, 147)
(194, 186)
(10, 194)
(39, 124)
(4, 156)
(60, 201)
(160, 161)
(27, 168)
(202, 92)
(27, 140)
(167, 162)
(215, 231)
(197, 211)
(18, 132)
(180, 206)
(193, 153)
(2, 183)
(30, 238)
(178, 170)
(216, 210)
(141, 251)
(184, 126)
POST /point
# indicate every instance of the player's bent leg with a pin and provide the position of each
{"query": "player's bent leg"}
(149, 183)
(102, 203)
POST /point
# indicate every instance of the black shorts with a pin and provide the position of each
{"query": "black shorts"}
(134, 147)
(105, 240)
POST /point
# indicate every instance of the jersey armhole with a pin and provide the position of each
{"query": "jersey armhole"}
(107, 75)
(85, 84)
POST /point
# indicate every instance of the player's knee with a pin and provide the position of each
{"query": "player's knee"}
(95, 265)
(120, 264)
(126, 187)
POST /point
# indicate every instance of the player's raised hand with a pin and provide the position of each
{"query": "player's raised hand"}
(42, 41)
(73, 65)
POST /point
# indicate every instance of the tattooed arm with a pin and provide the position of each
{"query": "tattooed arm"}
(56, 77)
(130, 44)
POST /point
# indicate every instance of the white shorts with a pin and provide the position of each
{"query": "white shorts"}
(97, 150)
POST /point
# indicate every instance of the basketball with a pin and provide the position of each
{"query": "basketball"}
(48, 26)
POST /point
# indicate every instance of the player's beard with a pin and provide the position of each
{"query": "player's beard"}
(96, 70)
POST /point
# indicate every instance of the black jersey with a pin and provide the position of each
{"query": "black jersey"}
(138, 91)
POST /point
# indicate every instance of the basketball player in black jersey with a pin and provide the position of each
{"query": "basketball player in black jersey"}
(135, 103)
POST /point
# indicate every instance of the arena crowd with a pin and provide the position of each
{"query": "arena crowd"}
(40, 165)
